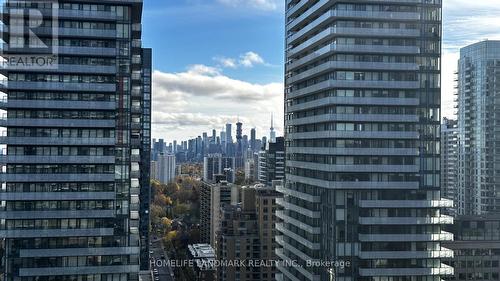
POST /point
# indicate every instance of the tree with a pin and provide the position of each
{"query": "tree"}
(166, 223)
(171, 236)
(181, 209)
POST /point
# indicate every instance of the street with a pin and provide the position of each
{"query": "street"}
(163, 272)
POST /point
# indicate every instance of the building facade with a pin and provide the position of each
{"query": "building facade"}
(217, 164)
(476, 249)
(362, 119)
(478, 118)
(204, 257)
(166, 166)
(247, 233)
(271, 164)
(75, 194)
(221, 194)
(449, 162)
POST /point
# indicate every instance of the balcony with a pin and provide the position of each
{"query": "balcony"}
(369, 49)
(61, 214)
(75, 68)
(353, 84)
(57, 177)
(55, 86)
(337, 65)
(136, 110)
(80, 252)
(443, 253)
(353, 101)
(93, 51)
(354, 151)
(331, 15)
(394, 118)
(311, 245)
(79, 14)
(298, 209)
(297, 223)
(443, 203)
(331, 32)
(39, 122)
(56, 141)
(354, 135)
(443, 270)
(64, 31)
(136, 92)
(443, 236)
(58, 104)
(56, 196)
(311, 12)
(443, 219)
(353, 184)
(354, 168)
(297, 194)
(29, 159)
(79, 270)
(38, 233)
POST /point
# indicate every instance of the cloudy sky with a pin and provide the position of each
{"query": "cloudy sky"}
(219, 60)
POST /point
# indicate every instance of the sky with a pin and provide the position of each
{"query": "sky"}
(217, 61)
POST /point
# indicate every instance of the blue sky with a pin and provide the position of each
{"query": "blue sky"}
(215, 61)
(195, 32)
(219, 60)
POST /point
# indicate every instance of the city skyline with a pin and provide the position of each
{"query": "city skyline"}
(332, 140)
(238, 56)
(247, 131)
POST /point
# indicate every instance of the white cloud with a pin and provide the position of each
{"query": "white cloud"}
(200, 69)
(267, 5)
(226, 62)
(202, 98)
(248, 59)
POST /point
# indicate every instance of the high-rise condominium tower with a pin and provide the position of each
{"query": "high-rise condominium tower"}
(478, 135)
(75, 192)
(362, 133)
(449, 161)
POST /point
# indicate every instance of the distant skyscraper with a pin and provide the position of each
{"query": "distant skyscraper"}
(223, 140)
(75, 179)
(239, 131)
(478, 133)
(214, 136)
(362, 108)
(199, 148)
(158, 147)
(206, 141)
(239, 145)
(271, 164)
(244, 144)
(253, 143)
(272, 132)
(229, 134)
(166, 168)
